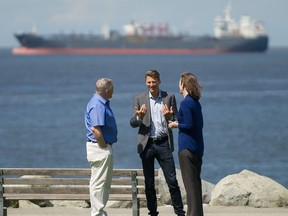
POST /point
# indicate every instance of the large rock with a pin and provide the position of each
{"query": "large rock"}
(249, 189)
(27, 204)
(207, 189)
(70, 203)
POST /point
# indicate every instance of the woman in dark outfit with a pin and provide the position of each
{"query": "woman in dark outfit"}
(190, 141)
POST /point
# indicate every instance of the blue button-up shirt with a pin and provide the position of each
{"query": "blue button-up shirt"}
(99, 114)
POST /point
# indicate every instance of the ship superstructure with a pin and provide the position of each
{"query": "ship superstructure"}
(246, 27)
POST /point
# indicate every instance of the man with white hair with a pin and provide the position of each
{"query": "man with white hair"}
(102, 133)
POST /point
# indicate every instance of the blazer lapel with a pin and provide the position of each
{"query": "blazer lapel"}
(164, 98)
(148, 110)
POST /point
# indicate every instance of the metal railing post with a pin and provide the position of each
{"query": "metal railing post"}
(135, 200)
(3, 210)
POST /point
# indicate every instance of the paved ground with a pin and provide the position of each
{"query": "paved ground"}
(165, 211)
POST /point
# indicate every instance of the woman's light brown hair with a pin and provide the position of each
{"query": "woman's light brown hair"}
(190, 83)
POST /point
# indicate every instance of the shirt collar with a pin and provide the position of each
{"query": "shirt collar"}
(100, 98)
(159, 95)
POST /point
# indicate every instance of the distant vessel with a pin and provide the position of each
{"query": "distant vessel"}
(246, 35)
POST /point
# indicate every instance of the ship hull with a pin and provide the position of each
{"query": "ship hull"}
(109, 51)
(81, 44)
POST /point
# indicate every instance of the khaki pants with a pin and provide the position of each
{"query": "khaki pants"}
(101, 162)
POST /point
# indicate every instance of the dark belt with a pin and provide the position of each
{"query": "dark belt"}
(91, 141)
(157, 140)
(97, 142)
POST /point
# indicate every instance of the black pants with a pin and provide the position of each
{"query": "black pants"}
(190, 165)
(163, 154)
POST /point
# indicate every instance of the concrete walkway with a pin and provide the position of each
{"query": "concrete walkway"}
(165, 211)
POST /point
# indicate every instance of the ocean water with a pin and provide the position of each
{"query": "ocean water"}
(244, 100)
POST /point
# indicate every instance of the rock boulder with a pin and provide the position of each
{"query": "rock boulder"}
(249, 189)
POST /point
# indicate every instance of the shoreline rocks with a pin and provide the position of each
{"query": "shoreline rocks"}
(249, 189)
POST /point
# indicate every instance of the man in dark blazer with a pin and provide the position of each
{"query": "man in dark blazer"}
(152, 111)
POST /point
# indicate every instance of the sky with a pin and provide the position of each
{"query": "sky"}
(195, 17)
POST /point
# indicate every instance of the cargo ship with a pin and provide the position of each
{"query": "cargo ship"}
(245, 35)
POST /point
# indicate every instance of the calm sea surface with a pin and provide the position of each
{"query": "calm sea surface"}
(244, 100)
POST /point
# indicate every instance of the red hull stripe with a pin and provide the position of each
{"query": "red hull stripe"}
(40, 51)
